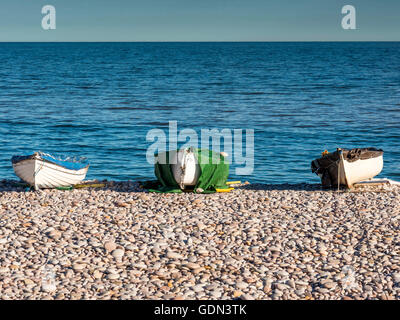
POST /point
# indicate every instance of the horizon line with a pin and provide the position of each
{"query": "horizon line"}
(198, 41)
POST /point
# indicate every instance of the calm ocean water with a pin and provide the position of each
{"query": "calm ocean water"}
(100, 99)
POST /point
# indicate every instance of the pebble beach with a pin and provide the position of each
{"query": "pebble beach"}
(257, 242)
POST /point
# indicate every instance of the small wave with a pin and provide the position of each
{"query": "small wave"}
(144, 108)
(64, 125)
(252, 93)
(126, 102)
(305, 126)
(20, 122)
(128, 108)
(84, 87)
(323, 104)
(390, 110)
(227, 92)
(31, 79)
(328, 86)
(282, 115)
(157, 123)
(165, 107)
(217, 83)
(345, 87)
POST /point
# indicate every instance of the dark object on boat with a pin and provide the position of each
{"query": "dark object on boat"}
(348, 166)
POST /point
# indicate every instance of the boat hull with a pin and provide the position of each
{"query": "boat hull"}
(360, 170)
(44, 174)
(185, 168)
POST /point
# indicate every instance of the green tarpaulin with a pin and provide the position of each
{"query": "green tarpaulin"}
(213, 175)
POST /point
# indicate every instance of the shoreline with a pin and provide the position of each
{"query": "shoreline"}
(257, 242)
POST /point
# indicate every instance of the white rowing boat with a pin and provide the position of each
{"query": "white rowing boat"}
(348, 166)
(42, 170)
(360, 170)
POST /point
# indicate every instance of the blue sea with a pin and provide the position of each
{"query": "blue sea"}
(99, 100)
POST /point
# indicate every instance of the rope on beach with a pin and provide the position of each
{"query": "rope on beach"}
(338, 162)
(338, 177)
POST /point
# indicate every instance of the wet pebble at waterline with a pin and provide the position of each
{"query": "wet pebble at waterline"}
(257, 242)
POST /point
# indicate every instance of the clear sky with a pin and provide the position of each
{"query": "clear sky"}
(200, 20)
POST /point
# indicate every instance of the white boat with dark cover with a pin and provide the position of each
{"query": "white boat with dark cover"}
(42, 170)
(348, 166)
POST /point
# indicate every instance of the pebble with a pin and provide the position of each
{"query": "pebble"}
(118, 253)
(97, 274)
(396, 277)
(257, 242)
(347, 257)
(110, 246)
(197, 288)
(55, 234)
(144, 197)
(241, 285)
(49, 287)
(211, 286)
(300, 292)
(237, 293)
(78, 266)
(216, 294)
(174, 255)
(202, 252)
(280, 286)
(246, 296)
(191, 265)
(113, 276)
(329, 285)
(291, 284)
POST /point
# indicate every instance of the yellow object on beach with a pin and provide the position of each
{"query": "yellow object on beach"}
(90, 185)
(224, 190)
(233, 182)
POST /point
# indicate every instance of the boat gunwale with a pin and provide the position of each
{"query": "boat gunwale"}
(37, 156)
(73, 172)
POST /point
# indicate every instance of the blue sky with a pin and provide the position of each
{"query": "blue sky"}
(201, 20)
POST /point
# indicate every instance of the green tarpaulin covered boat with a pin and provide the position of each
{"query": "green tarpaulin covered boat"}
(197, 170)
